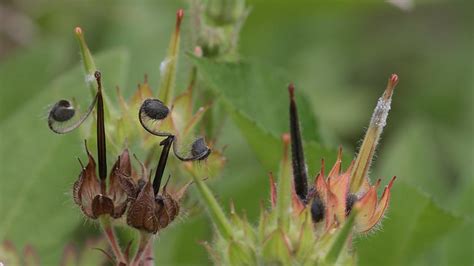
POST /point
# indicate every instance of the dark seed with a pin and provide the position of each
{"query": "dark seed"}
(159, 201)
(199, 148)
(350, 201)
(102, 205)
(155, 109)
(141, 184)
(317, 210)
(62, 111)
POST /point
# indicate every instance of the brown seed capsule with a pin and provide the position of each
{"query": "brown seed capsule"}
(62, 111)
(90, 194)
(122, 169)
(152, 214)
(86, 188)
(102, 205)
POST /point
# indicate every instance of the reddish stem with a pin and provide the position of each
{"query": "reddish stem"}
(145, 240)
(148, 255)
(112, 239)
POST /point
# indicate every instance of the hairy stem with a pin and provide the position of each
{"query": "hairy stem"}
(148, 256)
(111, 238)
(145, 240)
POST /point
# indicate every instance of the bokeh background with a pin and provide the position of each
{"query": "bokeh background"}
(339, 53)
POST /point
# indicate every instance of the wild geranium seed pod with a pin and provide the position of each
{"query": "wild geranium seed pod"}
(151, 113)
(152, 212)
(300, 172)
(305, 225)
(62, 111)
(199, 149)
(155, 109)
(102, 199)
(61, 118)
(334, 192)
(317, 210)
(160, 168)
(149, 210)
(90, 191)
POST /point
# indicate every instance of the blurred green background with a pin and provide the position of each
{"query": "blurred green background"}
(339, 53)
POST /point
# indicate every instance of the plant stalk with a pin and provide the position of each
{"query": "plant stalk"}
(111, 238)
(145, 240)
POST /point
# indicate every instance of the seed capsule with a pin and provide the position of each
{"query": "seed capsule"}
(317, 210)
(62, 111)
(199, 149)
(350, 201)
(154, 109)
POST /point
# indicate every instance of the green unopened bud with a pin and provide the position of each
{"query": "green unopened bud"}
(217, 24)
(213, 41)
(90, 69)
(87, 60)
(223, 12)
(284, 187)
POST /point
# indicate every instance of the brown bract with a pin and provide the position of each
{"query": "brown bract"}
(152, 214)
(334, 192)
(91, 195)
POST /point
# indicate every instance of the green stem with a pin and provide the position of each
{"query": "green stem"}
(214, 209)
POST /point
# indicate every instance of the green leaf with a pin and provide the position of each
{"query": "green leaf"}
(39, 167)
(269, 149)
(259, 92)
(414, 224)
(31, 63)
(242, 85)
